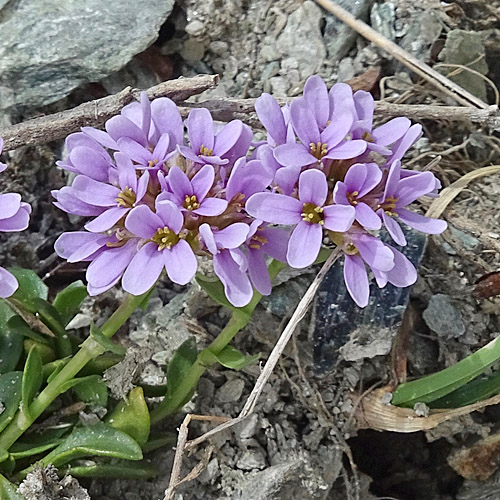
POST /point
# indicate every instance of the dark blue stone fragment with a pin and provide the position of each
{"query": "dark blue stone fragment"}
(337, 316)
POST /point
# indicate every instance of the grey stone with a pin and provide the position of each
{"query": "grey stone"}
(383, 18)
(247, 428)
(443, 318)
(339, 38)
(48, 48)
(421, 30)
(464, 47)
(231, 391)
(195, 28)
(303, 24)
(251, 459)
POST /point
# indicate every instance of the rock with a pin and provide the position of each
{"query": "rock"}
(464, 47)
(383, 18)
(251, 459)
(195, 28)
(303, 24)
(443, 318)
(47, 49)
(44, 484)
(342, 327)
(339, 38)
(231, 391)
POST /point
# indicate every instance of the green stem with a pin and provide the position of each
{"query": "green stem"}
(239, 319)
(89, 350)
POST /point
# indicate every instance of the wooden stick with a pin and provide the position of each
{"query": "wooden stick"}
(95, 113)
(440, 81)
(229, 109)
(275, 355)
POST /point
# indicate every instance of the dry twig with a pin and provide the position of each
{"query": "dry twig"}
(424, 70)
(95, 113)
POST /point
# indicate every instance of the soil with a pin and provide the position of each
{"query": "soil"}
(302, 441)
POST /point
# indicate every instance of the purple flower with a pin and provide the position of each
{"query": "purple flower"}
(379, 139)
(261, 241)
(317, 145)
(191, 195)
(308, 213)
(109, 255)
(230, 143)
(164, 248)
(386, 263)
(14, 216)
(230, 263)
(147, 157)
(356, 189)
(400, 192)
(276, 120)
(400, 147)
(247, 178)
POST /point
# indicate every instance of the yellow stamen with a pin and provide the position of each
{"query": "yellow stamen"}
(312, 213)
(165, 238)
(191, 203)
(389, 205)
(126, 198)
(367, 136)
(318, 150)
(152, 163)
(204, 151)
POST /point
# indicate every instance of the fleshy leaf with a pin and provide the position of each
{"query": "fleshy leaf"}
(230, 357)
(104, 342)
(31, 377)
(132, 416)
(16, 325)
(100, 439)
(159, 441)
(37, 444)
(181, 362)
(118, 470)
(94, 391)
(69, 301)
(11, 345)
(31, 287)
(8, 491)
(438, 385)
(10, 396)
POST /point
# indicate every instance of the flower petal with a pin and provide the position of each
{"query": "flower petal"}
(339, 218)
(270, 115)
(367, 217)
(257, 269)
(180, 262)
(394, 228)
(391, 131)
(144, 270)
(304, 244)
(356, 280)
(274, 208)
(211, 207)
(106, 220)
(304, 122)
(294, 155)
(375, 253)
(313, 187)
(200, 128)
(142, 222)
(10, 203)
(347, 150)
(316, 97)
(179, 183)
(422, 223)
(232, 236)
(8, 282)
(203, 181)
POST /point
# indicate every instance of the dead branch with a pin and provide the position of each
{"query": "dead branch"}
(95, 113)
(229, 109)
(440, 81)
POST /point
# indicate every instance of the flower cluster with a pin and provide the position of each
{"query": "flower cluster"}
(14, 216)
(159, 199)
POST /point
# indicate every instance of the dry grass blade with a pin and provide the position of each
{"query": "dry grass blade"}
(425, 71)
(448, 194)
(372, 413)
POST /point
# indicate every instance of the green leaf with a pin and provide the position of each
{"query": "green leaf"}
(97, 440)
(70, 384)
(31, 378)
(17, 325)
(50, 370)
(214, 288)
(10, 396)
(132, 416)
(46, 352)
(31, 286)
(481, 388)
(181, 362)
(144, 304)
(35, 450)
(11, 345)
(323, 255)
(159, 441)
(36, 444)
(120, 470)
(104, 342)
(69, 301)
(50, 316)
(230, 357)
(93, 392)
(8, 491)
(438, 385)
